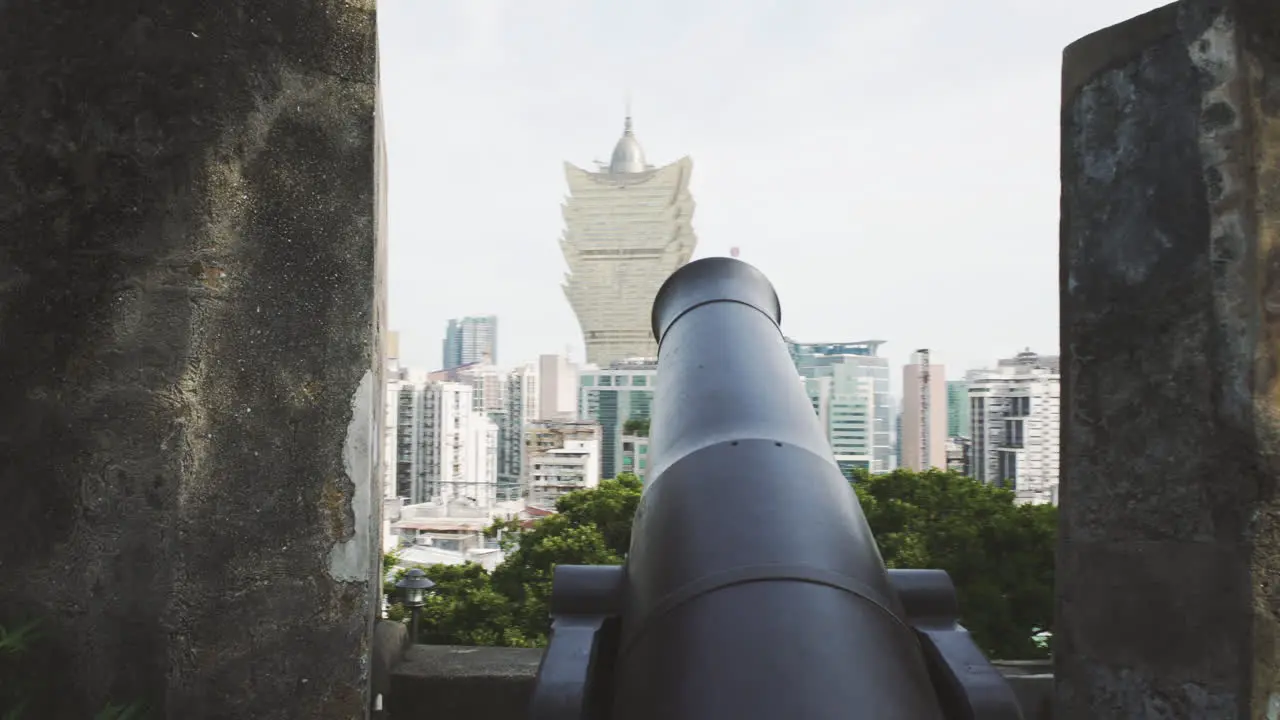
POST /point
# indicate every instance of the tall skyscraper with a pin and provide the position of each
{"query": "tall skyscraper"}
(618, 399)
(924, 414)
(627, 227)
(849, 387)
(471, 340)
(957, 408)
(1015, 426)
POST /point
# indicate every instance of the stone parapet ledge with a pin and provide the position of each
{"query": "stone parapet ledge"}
(1032, 682)
(448, 681)
(488, 683)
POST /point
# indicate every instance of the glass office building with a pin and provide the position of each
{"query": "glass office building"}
(848, 384)
(610, 397)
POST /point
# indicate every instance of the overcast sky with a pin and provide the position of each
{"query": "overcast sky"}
(892, 167)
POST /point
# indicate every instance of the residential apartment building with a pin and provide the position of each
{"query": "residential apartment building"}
(1014, 421)
(520, 407)
(445, 450)
(560, 457)
(559, 471)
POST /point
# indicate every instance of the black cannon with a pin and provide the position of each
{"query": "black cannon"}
(753, 587)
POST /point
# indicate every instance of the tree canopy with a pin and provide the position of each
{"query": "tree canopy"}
(636, 426)
(470, 606)
(1000, 556)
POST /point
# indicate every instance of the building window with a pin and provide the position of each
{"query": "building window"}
(1013, 433)
(588, 380)
(606, 380)
(1008, 469)
(639, 380)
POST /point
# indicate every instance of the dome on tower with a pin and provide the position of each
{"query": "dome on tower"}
(627, 158)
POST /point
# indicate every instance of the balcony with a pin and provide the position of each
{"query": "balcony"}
(491, 683)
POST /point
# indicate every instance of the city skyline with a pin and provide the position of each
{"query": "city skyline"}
(914, 200)
(908, 222)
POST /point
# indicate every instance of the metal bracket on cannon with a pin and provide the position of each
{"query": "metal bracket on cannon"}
(575, 677)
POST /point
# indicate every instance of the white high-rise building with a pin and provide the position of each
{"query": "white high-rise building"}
(521, 398)
(477, 482)
(445, 450)
(923, 434)
(557, 388)
(628, 226)
(1014, 426)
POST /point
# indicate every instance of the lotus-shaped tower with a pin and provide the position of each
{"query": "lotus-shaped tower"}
(627, 227)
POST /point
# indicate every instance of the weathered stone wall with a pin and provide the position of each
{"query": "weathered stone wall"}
(189, 372)
(1169, 554)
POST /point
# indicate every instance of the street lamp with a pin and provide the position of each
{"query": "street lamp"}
(414, 586)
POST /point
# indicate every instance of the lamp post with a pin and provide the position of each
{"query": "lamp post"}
(414, 586)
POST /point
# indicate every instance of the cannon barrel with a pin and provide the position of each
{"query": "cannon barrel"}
(753, 587)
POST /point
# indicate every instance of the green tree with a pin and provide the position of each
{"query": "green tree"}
(509, 607)
(591, 527)
(636, 426)
(465, 609)
(999, 554)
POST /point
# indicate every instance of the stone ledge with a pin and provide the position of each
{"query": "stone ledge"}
(477, 683)
(489, 683)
